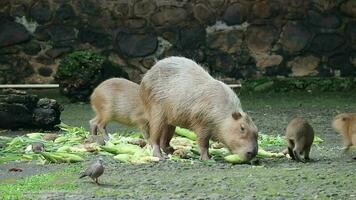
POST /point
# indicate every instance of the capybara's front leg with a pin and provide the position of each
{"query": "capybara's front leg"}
(166, 138)
(297, 152)
(306, 153)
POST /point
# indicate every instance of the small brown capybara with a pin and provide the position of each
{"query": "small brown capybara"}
(117, 99)
(177, 91)
(345, 124)
(299, 137)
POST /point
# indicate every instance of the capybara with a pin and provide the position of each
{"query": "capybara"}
(177, 91)
(345, 124)
(117, 99)
(299, 137)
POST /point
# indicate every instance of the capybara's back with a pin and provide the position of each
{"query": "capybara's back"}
(345, 124)
(300, 137)
(116, 99)
(176, 91)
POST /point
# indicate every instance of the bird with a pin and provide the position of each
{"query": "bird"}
(37, 147)
(94, 171)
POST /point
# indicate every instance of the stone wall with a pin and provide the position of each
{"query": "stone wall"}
(232, 38)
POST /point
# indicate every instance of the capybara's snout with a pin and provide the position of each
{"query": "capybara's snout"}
(250, 154)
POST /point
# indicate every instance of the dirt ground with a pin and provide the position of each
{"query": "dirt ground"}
(330, 175)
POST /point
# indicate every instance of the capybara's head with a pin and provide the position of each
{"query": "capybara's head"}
(239, 134)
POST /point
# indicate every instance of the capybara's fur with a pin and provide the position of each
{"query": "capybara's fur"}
(299, 137)
(176, 91)
(117, 99)
(345, 124)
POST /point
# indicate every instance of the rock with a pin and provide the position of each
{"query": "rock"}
(144, 8)
(21, 110)
(221, 64)
(18, 10)
(326, 42)
(12, 33)
(266, 9)
(65, 12)
(31, 48)
(56, 52)
(14, 115)
(260, 38)
(294, 37)
(61, 35)
(137, 45)
(47, 113)
(203, 14)
(353, 59)
(89, 7)
(349, 8)
(324, 21)
(192, 37)
(41, 12)
(351, 32)
(16, 68)
(45, 71)
(236, 14)
(264, 60)
(95, 37)
(304, 65)
(41, 33)
(228, 41)
(338, 61)
(136, 23)
(169, 16)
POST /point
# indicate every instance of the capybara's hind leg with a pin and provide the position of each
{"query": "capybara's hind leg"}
(156, 129)
(93, 126)
(203, 142)
(166, 138)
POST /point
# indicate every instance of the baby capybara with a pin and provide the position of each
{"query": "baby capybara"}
(117, 99)
(345, 124)
(176, 91)
(299, 137)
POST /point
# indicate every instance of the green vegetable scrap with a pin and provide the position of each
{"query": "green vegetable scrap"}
(186, 133)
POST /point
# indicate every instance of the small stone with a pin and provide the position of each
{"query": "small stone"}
(304, 66)
(349, 8)
(45, 71)
(327, 42)
(169, 16)
(65, 12)
(260, 38)
(236, 14)
(228, 41)
(144, 8)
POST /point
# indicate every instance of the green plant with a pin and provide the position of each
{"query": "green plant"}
(81, 63)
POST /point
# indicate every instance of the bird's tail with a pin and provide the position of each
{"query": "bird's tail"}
(83, 175)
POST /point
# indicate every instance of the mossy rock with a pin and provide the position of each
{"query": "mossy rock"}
(81, 71)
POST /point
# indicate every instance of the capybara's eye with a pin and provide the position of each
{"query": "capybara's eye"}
(242, 128)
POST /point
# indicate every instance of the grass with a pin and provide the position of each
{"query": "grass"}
(25, 188)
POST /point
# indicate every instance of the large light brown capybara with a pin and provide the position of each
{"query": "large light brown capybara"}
(299, 137)
(117, 99)
(345, 124)
(176, 91)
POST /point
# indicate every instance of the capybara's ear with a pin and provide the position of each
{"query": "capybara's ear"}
(236, 115)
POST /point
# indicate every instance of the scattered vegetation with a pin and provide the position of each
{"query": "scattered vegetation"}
(309, 84)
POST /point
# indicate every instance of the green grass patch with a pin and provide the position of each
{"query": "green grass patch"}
(27, 188)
